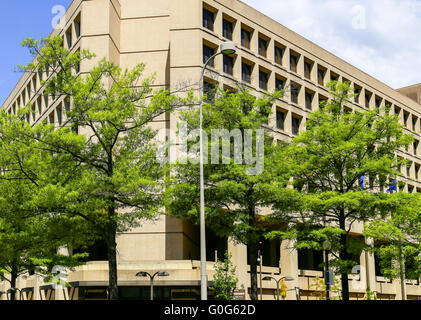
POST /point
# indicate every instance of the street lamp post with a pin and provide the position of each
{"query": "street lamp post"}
(226, 48)
(326, 248)
(287, 278)
(147, 274)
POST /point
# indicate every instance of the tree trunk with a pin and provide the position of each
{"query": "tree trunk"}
(253, 270)
(13, 277)
(343, 255)
(112, 266)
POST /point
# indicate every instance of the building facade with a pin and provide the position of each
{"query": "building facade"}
(173, 38)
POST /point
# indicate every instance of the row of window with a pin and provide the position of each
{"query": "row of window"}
(318, 74)
(34, 84)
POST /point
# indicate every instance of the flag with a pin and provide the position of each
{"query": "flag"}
(392, 187)
(362, 182)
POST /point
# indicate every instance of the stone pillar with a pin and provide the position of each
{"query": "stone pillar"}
(239, 259)
(370, 270)
(289, 266)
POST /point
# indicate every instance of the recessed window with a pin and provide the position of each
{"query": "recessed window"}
(280, 83)
(245, 38)
(309, 100)
(378, 102)
(414, 123)
(51, 118)
(309, 259)
(246, 71)
(321, 73)
(293, 61)
(295, 124)
(208, 19)
(279, 53)
(28, 90)
(59, 112)
(77, 26)
(308, 67)
(416, 144)
(207, 53)
(357, 93)
(280, 119)
(417, 171)
(69, 37)
(227, 29)
(334, 76)
(263, 80)
(39, 105)
(322, 101)
(405, 118)
(295, 91)
(263, 46)
(368, 96)
(408, 169)
(34, 83)
(228, 64)
(209, 90)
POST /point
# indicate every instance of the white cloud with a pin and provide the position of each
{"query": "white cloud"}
(387, 47)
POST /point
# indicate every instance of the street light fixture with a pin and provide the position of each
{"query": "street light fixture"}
(287, 278)
(147, 274)
(225, 48)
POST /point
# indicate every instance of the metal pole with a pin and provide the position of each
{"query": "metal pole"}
(402, 273)
(277, 288)
(260, 272)
(203, 273)
(327, 275)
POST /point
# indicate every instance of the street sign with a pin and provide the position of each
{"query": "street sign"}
(239, 294)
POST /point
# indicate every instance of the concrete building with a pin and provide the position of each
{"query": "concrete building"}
(172, 37)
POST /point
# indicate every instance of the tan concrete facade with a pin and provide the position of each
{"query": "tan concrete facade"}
(169, 36)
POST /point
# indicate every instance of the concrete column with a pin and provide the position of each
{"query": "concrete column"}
(239, 259)
(369, 265)
(289, 266)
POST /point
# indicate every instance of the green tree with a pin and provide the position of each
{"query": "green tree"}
(398, 230)
(224, 280)
(29, 238)
(107, 174)
(236, 190)
(327, 163)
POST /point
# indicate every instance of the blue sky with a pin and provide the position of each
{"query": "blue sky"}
(381, 37)
(20, 19)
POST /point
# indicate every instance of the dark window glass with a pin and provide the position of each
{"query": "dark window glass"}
(227, 29)
(280, 119)
(207, 53)
(310, 260)
(269, 250)
(293, 63)
(263, 80)
(279, 84)
(279, 52)
(246, 72)
(309, 100)
(295, 90)
(295, 125)
(245, 38)
(307, 70)
(321, 76)
(208, 19)
(228, 64)
(262, 47)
